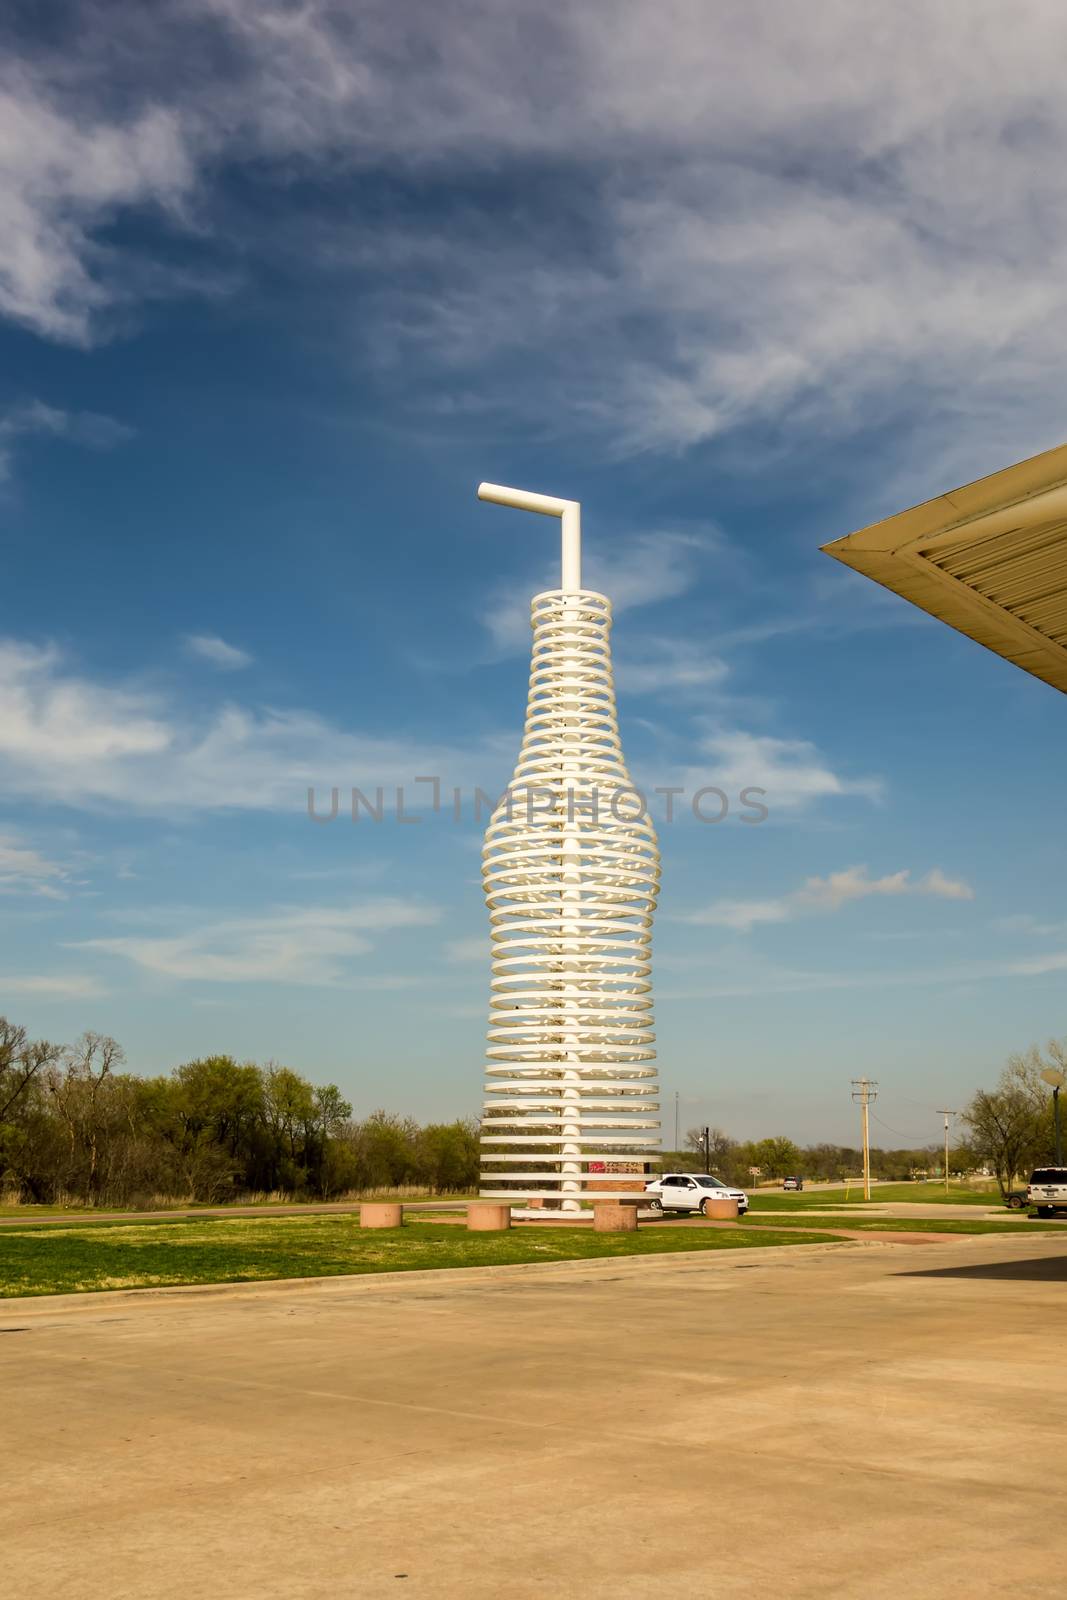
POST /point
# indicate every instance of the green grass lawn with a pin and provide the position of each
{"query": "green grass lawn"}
(122, 1255)
(27, 1213)
(911, 1224)
(919, 1193)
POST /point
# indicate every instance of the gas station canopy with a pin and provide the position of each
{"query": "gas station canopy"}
(989, 559)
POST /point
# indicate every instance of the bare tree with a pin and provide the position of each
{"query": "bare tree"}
(21, 1060)
(720, 1147)
(78, 1092)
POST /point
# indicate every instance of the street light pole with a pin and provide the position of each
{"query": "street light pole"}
(1056, 1078)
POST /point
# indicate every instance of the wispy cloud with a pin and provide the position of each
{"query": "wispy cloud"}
(1025, 924)
(654, 665)
(307, 945)
(69, 168)
(763, 979)
(33, 419)
(51, 719)
(639, 570)
(856, 883)
(792, 773)
(831, 893)
(71, 739)
(773, 215)
(51, 986)
(209, 647)
(24, 870)
(75, 741)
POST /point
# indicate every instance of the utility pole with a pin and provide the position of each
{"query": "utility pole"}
(677, 1147)
(706, 1134)
(946, 1114)
(864, 1090)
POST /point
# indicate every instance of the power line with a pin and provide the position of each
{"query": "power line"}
(924, 1105)
(914, 1138)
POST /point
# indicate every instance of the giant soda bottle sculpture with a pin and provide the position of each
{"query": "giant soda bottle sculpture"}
(570, 869)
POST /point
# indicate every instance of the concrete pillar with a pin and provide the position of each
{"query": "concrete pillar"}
(613, 1216)
(722, 1210)
(483, 1216)
(380, 1214)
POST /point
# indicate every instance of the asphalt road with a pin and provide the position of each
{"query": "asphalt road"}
(816, 1423)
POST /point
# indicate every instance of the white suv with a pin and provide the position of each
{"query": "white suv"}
(691, 1191)
(1048, 1189)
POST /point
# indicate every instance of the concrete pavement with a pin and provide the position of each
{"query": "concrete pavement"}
(837, 1422)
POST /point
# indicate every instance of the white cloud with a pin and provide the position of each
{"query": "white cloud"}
(791, 772)
(65, 171)
(855, 883)
(71, 740)
(647, 567)
(25, 871)
(775, 215)
(209, 647)
(827, 894)
(310, 945)
(68, 739)
(663, 665)
(33, 418)
(740, 915)
(51, 721)
(51, 986)
(636, 571)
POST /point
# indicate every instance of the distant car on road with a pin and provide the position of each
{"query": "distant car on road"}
(794, 1184)
(1048, 1190)
(691, 1191)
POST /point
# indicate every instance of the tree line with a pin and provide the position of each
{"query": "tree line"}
(76, 1126)
(1009, 1130)
(752, 1161)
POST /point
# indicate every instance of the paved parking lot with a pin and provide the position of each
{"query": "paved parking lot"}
(851, 1421)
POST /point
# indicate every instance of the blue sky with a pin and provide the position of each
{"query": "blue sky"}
(280, 284)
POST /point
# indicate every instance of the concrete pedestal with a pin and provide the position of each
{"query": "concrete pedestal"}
(483, 1216)
(380, 1214)
(721, 1210)
(614, 1216)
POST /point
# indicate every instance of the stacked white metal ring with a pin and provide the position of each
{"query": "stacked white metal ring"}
(571, 875)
